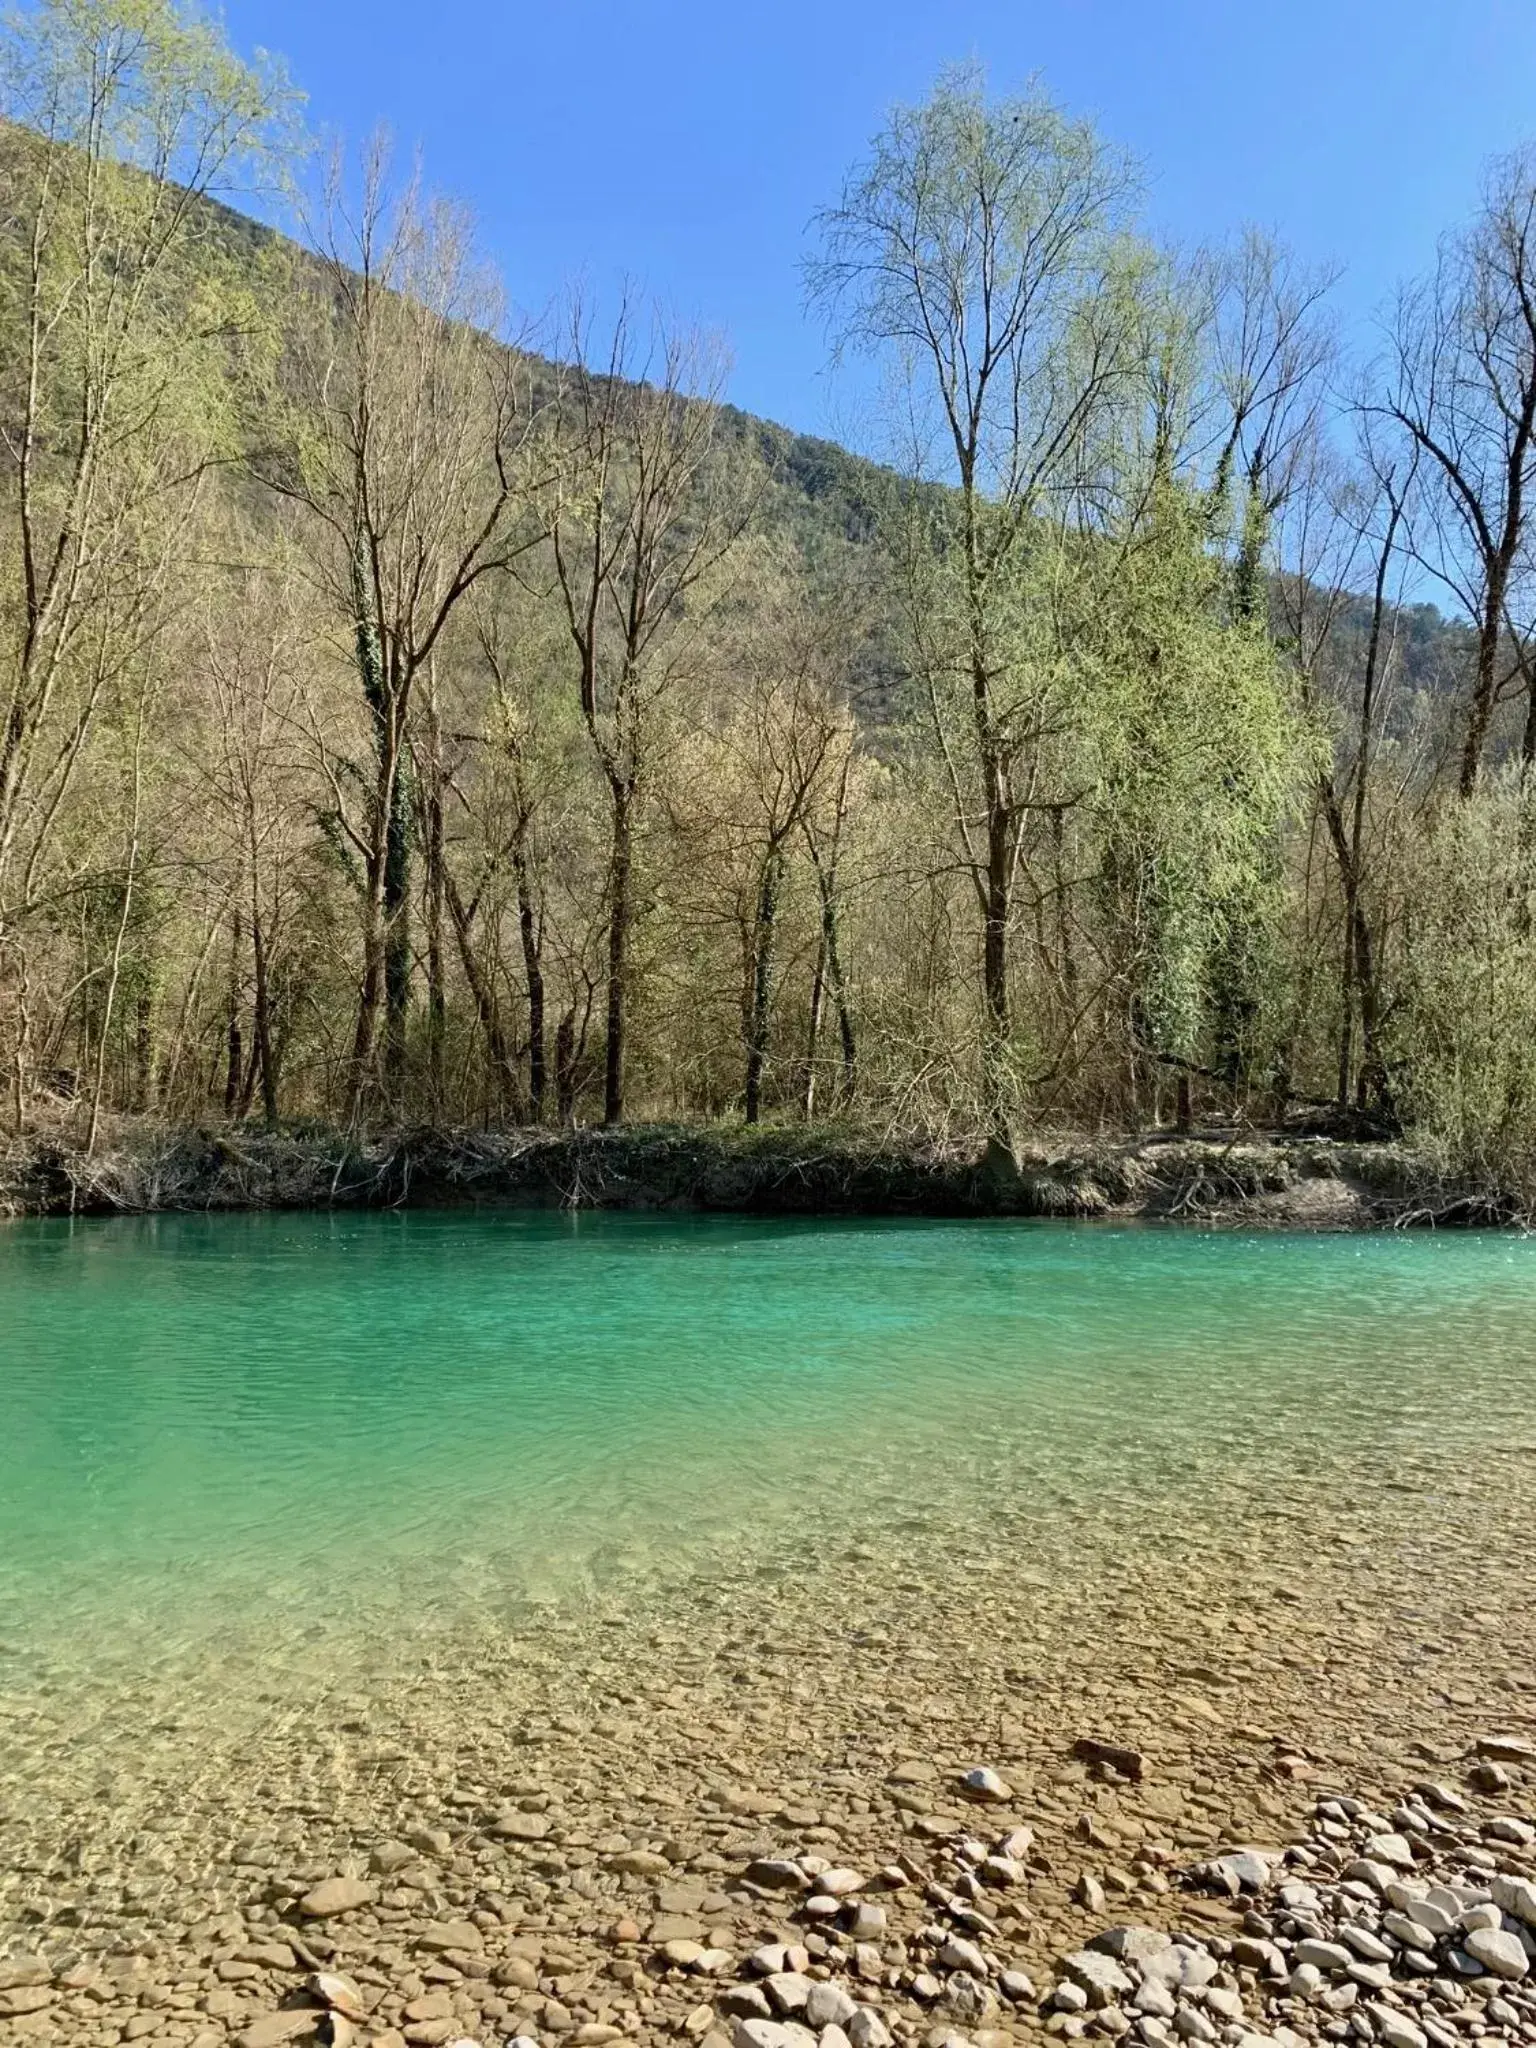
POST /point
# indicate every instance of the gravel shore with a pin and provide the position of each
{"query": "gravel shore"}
(885, 1782)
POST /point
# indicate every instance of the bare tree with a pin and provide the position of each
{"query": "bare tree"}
(1272, 350)
(505, 785)
(253, 646)
(645, 512)
(1462, 386)
(117, 123)
(786, 721)
(1344, 525)
(411, 424)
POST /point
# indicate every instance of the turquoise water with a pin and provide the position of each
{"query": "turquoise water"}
(219, 1422)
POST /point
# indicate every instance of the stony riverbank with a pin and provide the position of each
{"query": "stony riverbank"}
(1273, 1178)
(892, 1782)
(1413, 1929)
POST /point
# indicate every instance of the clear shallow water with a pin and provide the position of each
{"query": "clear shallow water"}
(209, 1424)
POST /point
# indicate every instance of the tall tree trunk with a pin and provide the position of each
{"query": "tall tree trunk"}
(397, 918)
(1528, 731)
(437, 996)
(813, 1029)
(1485, 681)
(829, 964)
(265, 1060)
(1347, 1004)
(144, 1047)
(234, 1044)
(1065, 948)
(620, 877)
(1359, 970)
(565, 1067)
(369, 992)
(994, 885)
(103, 1044)
(21, 1043)
(1184, 1114)
(1250, 585)
(1373, 1073)
(189, 999)
(386, 922)
(370, 669)
(835, 976)
(762, 977)
(533, 968)
(995, 888)
(995, 932)
(829, 976)
(462, 918)
(130, 879)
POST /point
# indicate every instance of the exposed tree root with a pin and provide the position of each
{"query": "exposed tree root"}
(1220, 1178)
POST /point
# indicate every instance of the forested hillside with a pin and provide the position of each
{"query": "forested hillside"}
(412, 718)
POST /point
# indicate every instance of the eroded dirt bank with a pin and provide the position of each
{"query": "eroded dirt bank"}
(1224, 1177)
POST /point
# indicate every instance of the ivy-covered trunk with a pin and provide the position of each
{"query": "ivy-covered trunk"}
(386, 911)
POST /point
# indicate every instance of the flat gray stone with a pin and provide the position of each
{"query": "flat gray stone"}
(1097, 1974)
(1246, 1867)
(756, 2033)
(788, 1990)
(1365, 1943)
(1329, 1956)
(1131, 1944)
(744, 2002)
(1408, 1932)
(522, 1827)
(442, 1935)
(1155, 2000)
(1391, 1848)
(1517, 1897)
(1192, 2025)
(1394, 2029)
(1500, 1954)
(1183, 1969)
(1506, 1749)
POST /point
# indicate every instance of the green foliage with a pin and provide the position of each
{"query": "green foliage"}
(958, 792)
(1463, 1040)
(1201, 759)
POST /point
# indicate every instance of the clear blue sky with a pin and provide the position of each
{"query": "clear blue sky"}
(684, 144)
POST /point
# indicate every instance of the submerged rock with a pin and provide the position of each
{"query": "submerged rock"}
(337, 1895)
(275, 2028)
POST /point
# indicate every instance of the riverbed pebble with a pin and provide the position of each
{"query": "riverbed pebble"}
(1446, 1960)
(580, 1828)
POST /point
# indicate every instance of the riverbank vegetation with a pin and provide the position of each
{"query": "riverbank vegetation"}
(409, 717)
(1256, 1179)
